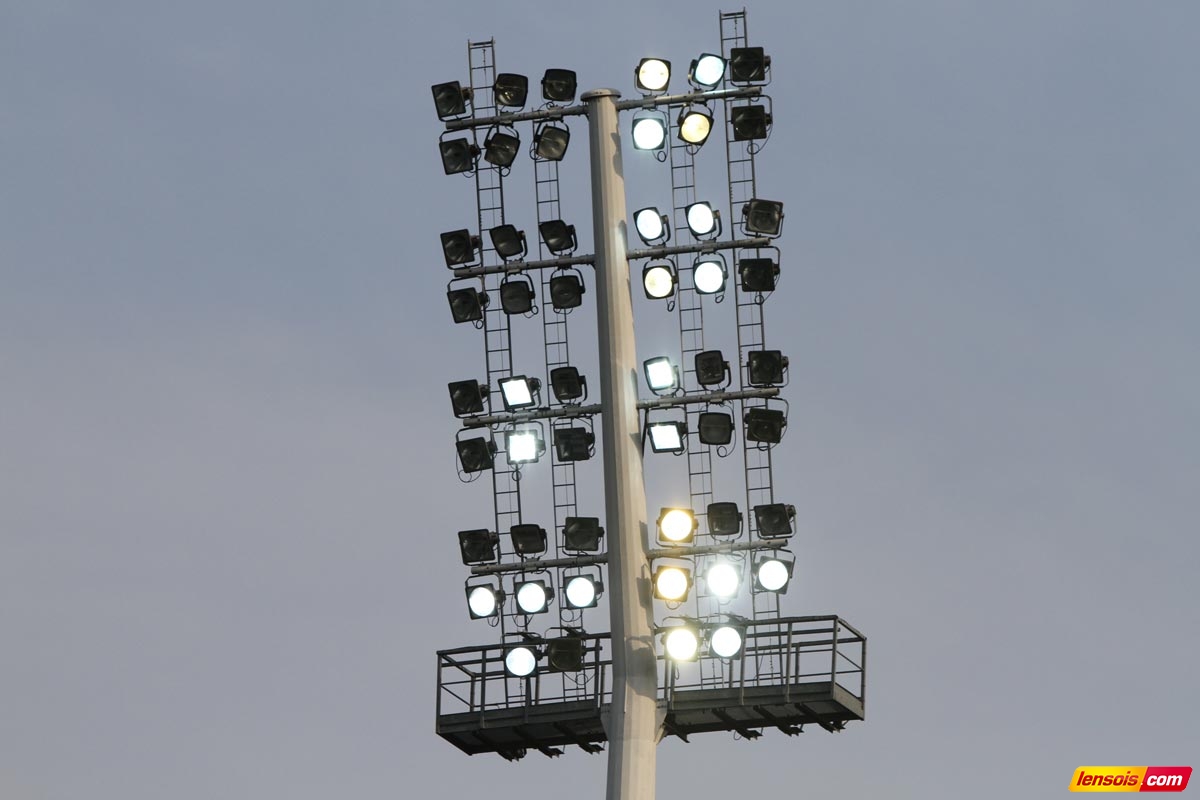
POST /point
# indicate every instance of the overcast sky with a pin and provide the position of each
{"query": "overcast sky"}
(227, 488)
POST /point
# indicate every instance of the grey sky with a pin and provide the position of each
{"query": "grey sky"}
(227, 493)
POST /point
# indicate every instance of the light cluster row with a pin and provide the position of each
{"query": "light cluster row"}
(579, 535)
(525, 445)
(486, 598)
(678, 526)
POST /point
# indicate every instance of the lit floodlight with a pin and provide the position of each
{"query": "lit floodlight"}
(582, 591)
(550, 142)
(511, 90)
(695, 124)
(681, 643)
(649, 132)
(772, 574)
(758, 274)
(516, 294)
(478, 546)
(661, 375)
(573, 444)
(667, 437)
(652, 75)
(711, 368)
(501, 148)
(672, 584)
(559, 85)
(706, 71)
(459, 247)
(533, 597)
(558, 236)
(528, 539)
(658, 280)
(765, 367)
(748, 65)
(466, 397)
(450, 99)
(519, 392)
(484, 601)
(567, 384)
(703, 221)
(763, 216)
(458, 155)
(774, 520)
(724, 519)
(582, 534)
(476, 454)
(725, 641)
(709, 274)
(677, 525)
(749, 122)
(715, 428)
(524, 446)
(466, 305)
(521, 661)
(566, 291)
(651, 226)
(508, 241)
(565, 654)
(765, 425)
(723, 579)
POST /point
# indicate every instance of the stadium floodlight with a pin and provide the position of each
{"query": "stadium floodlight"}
(528, 539)
(773, 573)
(726, 640)
(765, 367)
(573, 444)
(706, 71)
(459, 247)
(703, 221)
(723, 579)
(511, 90)
(681, 643)
(677, 525)
(763, 217)
(508, 242)
(501, 147)
(758, 274)
(711, 368)
(774, 520)
(765, 425)
(652, 76)
(749, 122)
(484, 599)
(661, 375)
(467, 397)
(550, 141)
(565, 654)
(558, 236)
(478, 546)
(649, 130)
(521, 660)
(658, 280)
(695, 124)
(667, 437)
(566, 290)
(516, 294)
(567, 384)
(466, 305)
(671, 583)
(476, 454)
(559, 85)
(582, 534)
(458, 155)
(450, 99)
(715, 428)
(724, 519)
(748, 65)
(709, 274)
(524, 446)
(652, 227)
(520, 392)
(582, 591)
(533, 597)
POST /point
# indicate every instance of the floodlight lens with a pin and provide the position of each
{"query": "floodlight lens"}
(653, 74)
(660, 375)
(700, 219)
(671, 583)
(666, 437)
(532, 598)
(649, 133)
(522, 447)
(694, 127)
(677, 524)
(658, 281)
(709, 70)
(649, 224)
(482, 601)
(518, 393)
(709, 276)
(581, 592)
(722, 579)
(725, 641)
(772, 575)
(520, 661)
(682, 644)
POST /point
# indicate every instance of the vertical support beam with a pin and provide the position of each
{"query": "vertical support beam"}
(633, 722)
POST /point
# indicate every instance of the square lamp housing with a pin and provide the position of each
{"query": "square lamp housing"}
(715, 428)
(528, 539)
(582, 534)
(724, 519)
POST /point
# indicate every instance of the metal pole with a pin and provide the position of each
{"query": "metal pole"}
(633, 721)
